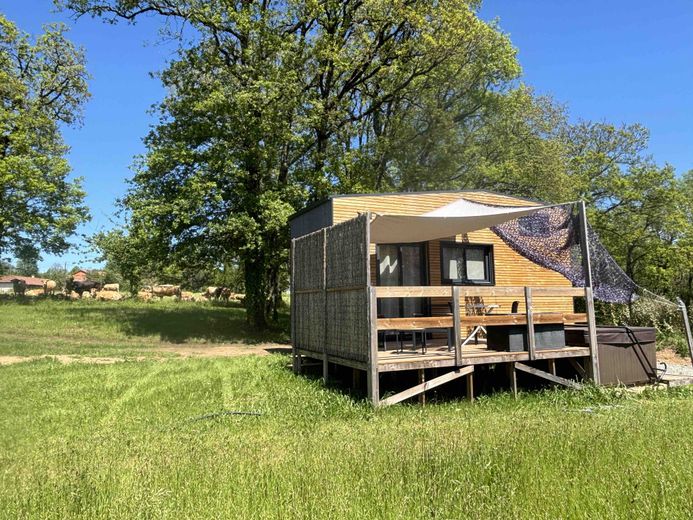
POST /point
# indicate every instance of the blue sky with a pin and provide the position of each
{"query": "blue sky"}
(618, 61)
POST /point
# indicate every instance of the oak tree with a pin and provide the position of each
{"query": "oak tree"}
(43, 86)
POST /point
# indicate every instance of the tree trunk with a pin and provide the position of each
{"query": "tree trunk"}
(255, 291)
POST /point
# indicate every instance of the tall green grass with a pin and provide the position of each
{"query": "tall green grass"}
(129, 441)
(43, 326)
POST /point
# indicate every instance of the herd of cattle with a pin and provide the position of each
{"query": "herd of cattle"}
(77, 289)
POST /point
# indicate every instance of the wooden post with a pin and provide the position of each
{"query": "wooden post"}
(373, 375)
(292, 310)
(470, 387)
(592, 329)
(531, 340)
(552, 366)
(422, 380)
(355, 379)
(513, 379)
(456, 329)
(687, 326)
(589, 296)
(326, 322)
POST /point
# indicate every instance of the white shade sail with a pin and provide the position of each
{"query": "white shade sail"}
(459, 217)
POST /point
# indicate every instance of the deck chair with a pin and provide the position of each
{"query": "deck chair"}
(477, 307)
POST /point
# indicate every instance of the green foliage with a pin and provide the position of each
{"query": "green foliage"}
(272, 105)
(277, 103)
(43, 84)
(123, 255)
(58, 274)
(5, 266)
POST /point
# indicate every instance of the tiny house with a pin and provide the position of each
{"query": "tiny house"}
(416, 281)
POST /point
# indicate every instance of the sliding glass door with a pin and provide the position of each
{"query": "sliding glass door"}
(401, 264)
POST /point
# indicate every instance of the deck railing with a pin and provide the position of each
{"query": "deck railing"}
(456, 320)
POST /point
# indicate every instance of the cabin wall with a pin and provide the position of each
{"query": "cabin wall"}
(511, 268)
(312, 220)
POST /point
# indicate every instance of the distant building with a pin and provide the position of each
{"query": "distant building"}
(80, 275)
(6, 285)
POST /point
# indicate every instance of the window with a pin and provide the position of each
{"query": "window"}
(401, 264)
(466, 264)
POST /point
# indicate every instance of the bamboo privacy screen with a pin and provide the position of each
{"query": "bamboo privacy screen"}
(308, 297)
(346, 252)
(330, 291)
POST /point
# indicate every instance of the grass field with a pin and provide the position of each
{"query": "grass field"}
(130, 327)
(139, 439)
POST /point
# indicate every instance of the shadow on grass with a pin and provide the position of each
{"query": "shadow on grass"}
(181, 324)
(172, 322)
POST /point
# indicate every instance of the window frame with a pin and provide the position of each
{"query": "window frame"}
(464, 246)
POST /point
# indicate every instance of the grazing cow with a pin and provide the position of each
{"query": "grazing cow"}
(211, 292)
(34, 293)
(225, 294)
(166, 290)
(144, 295)
(18, 286)
(112, 287)
(187, 296)
(81, 287)
(49, 287)
(105, 295)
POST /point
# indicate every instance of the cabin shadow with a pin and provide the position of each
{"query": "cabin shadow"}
(213, 324)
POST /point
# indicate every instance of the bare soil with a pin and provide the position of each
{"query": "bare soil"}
(184, 351)
(670, 357)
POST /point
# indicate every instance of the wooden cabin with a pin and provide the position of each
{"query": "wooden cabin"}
(424, 304)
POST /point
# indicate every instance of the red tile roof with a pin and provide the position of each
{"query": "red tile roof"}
(29, 280)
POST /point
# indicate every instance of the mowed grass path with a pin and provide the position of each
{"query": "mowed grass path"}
(93, 328)
(123, 441)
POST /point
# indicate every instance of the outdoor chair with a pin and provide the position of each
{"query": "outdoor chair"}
(478, 309)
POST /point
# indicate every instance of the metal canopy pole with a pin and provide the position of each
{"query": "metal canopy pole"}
(589, 296)
(687, 326)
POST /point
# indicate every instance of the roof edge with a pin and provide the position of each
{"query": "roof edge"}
(320, 202)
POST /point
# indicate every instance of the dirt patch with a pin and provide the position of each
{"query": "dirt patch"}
(185, 351)
(670, 357)
(68, 359)
(226, 350)
(11, 360)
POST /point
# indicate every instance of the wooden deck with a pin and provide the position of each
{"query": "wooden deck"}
(440, 356)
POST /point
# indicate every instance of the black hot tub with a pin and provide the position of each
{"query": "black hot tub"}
(627, 355)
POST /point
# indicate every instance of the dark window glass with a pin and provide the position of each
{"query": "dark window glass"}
(466, 264)
(401, 264)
